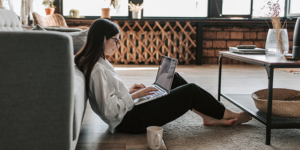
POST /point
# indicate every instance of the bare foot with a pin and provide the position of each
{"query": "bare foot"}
(229, 122)
(222, 122)
(242, 118)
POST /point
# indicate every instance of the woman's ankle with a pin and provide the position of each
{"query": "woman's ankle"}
(230, 115)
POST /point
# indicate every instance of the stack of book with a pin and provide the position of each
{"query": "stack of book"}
(247, 49)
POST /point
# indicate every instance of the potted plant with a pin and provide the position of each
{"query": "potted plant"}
(49, 6)
(277, 43)
(136, 10)
(74, 13)
(105, 11)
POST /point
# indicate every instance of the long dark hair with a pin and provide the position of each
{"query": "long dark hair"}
(87, 57)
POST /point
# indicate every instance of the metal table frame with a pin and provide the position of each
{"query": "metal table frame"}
(270, 72)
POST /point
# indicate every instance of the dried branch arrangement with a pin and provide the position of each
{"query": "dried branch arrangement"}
(273, 11)
(115, 3)
(135, 8)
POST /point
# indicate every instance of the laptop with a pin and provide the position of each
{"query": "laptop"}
(163, 81)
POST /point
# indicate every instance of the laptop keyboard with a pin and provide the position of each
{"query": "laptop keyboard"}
(156, 93)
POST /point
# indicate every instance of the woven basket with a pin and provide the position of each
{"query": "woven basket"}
(286, 102)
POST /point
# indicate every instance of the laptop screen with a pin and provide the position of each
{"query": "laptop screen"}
(165, 73)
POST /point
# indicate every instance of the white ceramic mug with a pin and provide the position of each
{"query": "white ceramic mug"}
(154, 137)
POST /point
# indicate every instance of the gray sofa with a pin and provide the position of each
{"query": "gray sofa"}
(9, 22)
(42, 92)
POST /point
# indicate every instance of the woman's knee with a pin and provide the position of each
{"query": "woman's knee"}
(192, 85)
(176, 75)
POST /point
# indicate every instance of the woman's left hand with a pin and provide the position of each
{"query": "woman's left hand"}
(136, 87)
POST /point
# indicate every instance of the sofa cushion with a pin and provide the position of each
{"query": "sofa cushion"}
(9, 21)
(62, 29)
(38, 27)
(79, 38)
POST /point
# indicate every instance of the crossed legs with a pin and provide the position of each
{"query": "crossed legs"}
(229, 119)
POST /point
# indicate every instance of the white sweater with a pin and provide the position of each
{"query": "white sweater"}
(108, 96)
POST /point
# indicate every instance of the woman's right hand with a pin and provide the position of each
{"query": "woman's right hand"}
(143, 92)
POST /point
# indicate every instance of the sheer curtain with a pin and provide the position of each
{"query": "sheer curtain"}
(24, 8)
(15, 5)
(4, 4)
(1, 5)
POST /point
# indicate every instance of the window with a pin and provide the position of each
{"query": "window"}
(93, 7)
(243, 7)
(258, 12)
(175, 8)
(236, 7)
(294, 6)
(293, 10)
(182, 8)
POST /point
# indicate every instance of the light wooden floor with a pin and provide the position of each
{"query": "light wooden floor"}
(239, 79)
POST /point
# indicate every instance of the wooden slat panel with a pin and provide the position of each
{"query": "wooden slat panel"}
(143, 42)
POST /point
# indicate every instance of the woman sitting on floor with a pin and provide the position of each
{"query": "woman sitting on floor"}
(113, 101)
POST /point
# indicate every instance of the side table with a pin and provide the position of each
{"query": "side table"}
(246, 103)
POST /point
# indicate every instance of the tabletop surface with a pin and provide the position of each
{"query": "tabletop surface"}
(260, 58)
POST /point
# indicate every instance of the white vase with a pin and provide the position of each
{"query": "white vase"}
(136, 15)
(274, 38)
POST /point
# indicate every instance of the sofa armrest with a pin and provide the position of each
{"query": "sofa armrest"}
(36, 90)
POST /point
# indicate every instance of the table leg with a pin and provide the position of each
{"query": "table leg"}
(220, 77)
(270, 72)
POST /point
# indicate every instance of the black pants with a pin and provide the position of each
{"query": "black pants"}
(183, 97)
